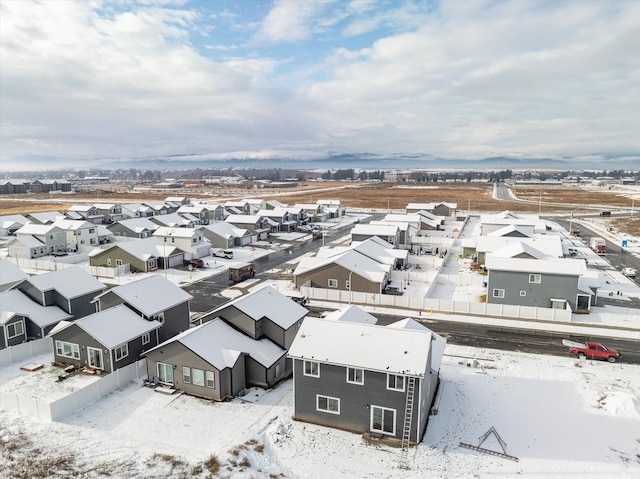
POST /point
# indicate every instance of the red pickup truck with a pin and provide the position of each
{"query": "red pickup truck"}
(593, 351)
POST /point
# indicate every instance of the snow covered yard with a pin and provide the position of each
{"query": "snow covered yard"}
(560, 417)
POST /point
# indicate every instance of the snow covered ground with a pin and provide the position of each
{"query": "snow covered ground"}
(559, 416)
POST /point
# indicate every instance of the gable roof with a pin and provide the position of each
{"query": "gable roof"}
(10, 274)
(375, 348)
(221, 345)
(267, 302)
(69, 282)
(112, 327)
(143, 249)
(369, 229)
(352, 314)
(351, 260)
(46, 217)
(137, 225)
(226, 230)
(151, 295)
(16, 302)
(35, 229)
(437, 345)
(564, 266)
(517, 248)
(26, 240)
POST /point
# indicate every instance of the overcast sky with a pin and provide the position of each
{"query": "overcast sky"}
(459, 79)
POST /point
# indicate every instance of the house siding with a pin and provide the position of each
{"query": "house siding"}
(241, 321)
(76, 335)
(537, 294)
(115, 254)
(274, 332)
(228, 382)
(355, 400)
(319, 278)
(16, 339)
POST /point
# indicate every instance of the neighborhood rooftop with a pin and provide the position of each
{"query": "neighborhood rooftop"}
(362, 346)
(16, 302)
(70, 282)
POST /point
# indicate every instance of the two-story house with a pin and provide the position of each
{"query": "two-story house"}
(34, 241)
(379, 381)
(155, 299)
(189, 240)
(80, 234)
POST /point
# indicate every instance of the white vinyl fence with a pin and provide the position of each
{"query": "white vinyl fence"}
(54, 265)
(79, 399)
(24, 351)
(423, 305)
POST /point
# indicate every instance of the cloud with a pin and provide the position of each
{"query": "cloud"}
(454, 79)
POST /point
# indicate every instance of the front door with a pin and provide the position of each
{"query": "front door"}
(95, 358)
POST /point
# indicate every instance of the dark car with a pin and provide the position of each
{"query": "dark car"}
(194, 263)
(392, 290)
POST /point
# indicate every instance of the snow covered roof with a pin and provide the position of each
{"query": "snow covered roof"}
(138, 225)
(438, 342)
(226, 230)
(564, 266)
(221, 345)
(352, 314)
(165, 231)
(376, 251)
(142, 249)
(243, 219)
(73, 225)
(551, 246)
(34, 229)
(151, 295)
(69, 282)
(267, 302)
(26, 240)
(368, 229)
(351, 260)
(511, 228)
(10, 274)
(173, 220)
(430, 206)
(517, 248)
(377, 348)
(112, 327)
(16, 302)
(46, 217)
(7, 221)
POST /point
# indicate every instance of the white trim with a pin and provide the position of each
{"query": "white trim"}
(328, 408)
(396, 388)
(382, 431)
(361, 382)
(498, 293)
(310, 374)
(15, 334)
(535, 278)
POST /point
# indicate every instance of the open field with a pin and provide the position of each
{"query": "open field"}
(477, 197)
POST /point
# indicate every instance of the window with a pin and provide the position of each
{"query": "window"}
(535, 278)
(146, 338)
(312, 368)
(92, 230)
(122, 352)
(15, 329)
(198, 377)
(92, 241)
(355, 376)
(186, 375)
(523, 293)
(151, 264)
(67, 350)
(498, 293)
(327, 404)
(333, 283)
(277, 371)
(395, 382)
(383, 420)
(194, 240)
(210, 379)
(158, 317)
(108, 261)
(118, 262)
(165, 373)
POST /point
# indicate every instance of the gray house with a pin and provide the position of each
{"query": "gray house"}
(22, 319)
(134, 228)
(10, 275)
(225, 235)
(104, 341)
(373, 380)
(265, 313)
(537, 282)
(153, 298)
(388, 232)
(142, 255)
(71, 289)
(215, 361)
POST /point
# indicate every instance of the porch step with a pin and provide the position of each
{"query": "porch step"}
(165, 390)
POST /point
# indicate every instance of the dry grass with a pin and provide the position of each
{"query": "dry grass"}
(212, 464)
(572, 194)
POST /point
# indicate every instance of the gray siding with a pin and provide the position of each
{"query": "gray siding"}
(536, 294)
(228, 382)
(274, 332)
(355, 400)
(241, 321)
(17, 339)
(82, 305)
(34, 293)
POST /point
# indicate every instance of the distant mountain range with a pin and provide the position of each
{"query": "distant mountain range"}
(329, 161)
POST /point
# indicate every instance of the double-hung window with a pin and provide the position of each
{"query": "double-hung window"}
(355, 376)
(121, 352)
(395, 382)
(15, 329)
(535, 278)
(498, 293)
(312, 368)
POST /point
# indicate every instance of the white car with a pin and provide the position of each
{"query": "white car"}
(629, 272)
(224, 253)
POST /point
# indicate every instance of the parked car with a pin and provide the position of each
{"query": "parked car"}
(629, 272)
(224, 253)
(194, 263)
(592, 351)
(392, 290)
